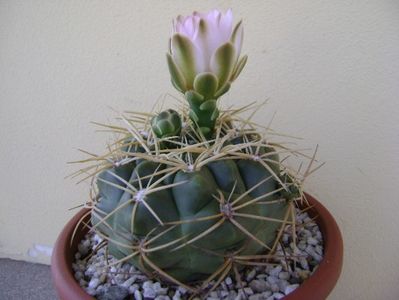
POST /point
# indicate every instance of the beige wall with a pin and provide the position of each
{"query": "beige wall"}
(330, 69)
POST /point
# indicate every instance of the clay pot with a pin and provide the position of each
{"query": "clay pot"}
(316, 287)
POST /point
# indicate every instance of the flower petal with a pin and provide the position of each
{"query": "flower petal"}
(226, 25)
(237, 38)
(206, 84)
(176, 75)
(222, 90)
(222, 62)
(202, 42)
(170, 46)
(238, 67)
(187, 57)
(189, 27)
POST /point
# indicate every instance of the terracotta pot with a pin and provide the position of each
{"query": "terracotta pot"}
(317, 287)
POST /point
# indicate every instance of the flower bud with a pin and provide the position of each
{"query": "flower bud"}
(166, 124)
(204, 53)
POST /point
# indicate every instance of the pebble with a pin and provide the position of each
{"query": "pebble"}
(232, 295)
(276, 271)
(213, 295)
(274, 287)
(266, 294)
(248, 291)
(132, 289)
(302, 245)
(158, 289)
(120, 278)
(137, 295)
(310, 250)
(90, 270)
(304, 263)
(176, 296)
(258, 285)
(91, 291)
(261, 276)
(312, 241)
(228, 281)
(82, 282)
(282, 284)
(224, 293)
(83, 248)
(240, 296)
(147, 285)
(290, 288)
(319, 250)
(78, 275)
(278, 295)
(284, 275)
(149, 293)
(162, 297)
(270, 282)
(94, 283)
(129, 282)
(251, 275)
(113, 293)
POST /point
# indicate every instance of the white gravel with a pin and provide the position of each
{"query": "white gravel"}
(270, 282)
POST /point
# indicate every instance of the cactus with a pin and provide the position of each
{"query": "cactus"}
(194, 195)
(181, 206)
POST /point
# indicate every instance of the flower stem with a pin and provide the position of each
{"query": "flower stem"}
(203, 112)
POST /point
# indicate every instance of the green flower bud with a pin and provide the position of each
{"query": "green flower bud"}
(166, 124)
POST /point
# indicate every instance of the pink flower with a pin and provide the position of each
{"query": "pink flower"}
(204, 53)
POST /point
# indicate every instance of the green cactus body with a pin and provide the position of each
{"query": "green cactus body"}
(188, 222)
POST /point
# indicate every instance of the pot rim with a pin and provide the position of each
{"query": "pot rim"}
(317, 287)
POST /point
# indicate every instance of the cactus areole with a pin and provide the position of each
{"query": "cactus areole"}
(193, 195)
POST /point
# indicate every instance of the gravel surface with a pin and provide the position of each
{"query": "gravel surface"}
(269, 282)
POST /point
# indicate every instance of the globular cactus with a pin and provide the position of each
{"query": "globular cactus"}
(184, 210)
(193, 195)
